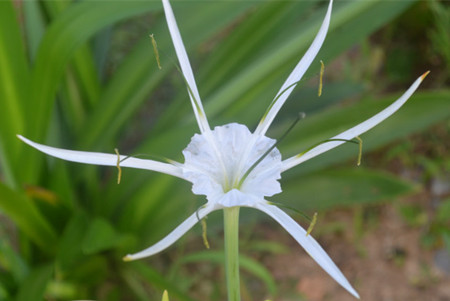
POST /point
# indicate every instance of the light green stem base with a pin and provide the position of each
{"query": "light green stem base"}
(231, 226)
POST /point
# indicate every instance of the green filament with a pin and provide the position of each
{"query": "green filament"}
(299, 117)
(357, 140)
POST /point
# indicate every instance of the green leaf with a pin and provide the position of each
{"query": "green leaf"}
(92, 270)
(136, 271)
(11, 261)
(138, 75)
(247, 263)
(344, 187)
(253, 87)
(4, 295)
(34, 26)
(72, 28)
(27, 217)
(100, 236)
(69, 249)
(446, 239)
(34, 286)
(14, 76)
(65, 35)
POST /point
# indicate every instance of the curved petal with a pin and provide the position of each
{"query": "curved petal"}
(354, 131)
(174, 235)
(295, 75)
(105, 159)
(308, 243)
(186, 68)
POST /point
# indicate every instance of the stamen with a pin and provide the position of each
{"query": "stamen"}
(151, 157)
(276, 98)
(119, 175)
(155, 50)
(360, 150)
(203, 222)
(322, 69)
(300, 116)
(191, 93)
(358, 141)
(205, 238)
(304, 215)
(313, 223)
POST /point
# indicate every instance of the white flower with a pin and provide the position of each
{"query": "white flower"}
(217, 161)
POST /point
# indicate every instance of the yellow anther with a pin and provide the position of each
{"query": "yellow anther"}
(205, 239)
(155, 49)
(311, 226)
(322, 69)
(119, 175)
(360, 150)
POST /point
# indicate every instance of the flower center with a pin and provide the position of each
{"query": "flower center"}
(216, 162)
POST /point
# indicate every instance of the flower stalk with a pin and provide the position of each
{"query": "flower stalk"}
(231, 237)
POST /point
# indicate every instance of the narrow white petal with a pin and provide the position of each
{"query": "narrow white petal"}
(295, 76)
(185, 67)
(308, 243)
(354, 131)
(105, 159)
(174, 235)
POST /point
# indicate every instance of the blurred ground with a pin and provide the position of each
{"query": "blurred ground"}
(388, 263)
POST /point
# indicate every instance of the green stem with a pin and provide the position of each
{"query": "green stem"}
(231, 226)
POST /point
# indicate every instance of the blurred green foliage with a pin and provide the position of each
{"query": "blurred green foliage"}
(80, 75)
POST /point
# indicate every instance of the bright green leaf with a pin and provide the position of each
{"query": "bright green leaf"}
(342, 187)
(24, 213)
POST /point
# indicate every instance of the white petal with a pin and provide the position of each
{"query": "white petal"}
(216, 167)
(295, 76)
(105, 159)
(174, 235)
(186, 68)
(235, 198)
(356, 130)
(308, 243)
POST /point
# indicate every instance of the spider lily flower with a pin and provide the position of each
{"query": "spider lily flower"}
(220, 162)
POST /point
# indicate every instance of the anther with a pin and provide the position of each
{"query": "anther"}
(119, 175)
(360, 150)
(313, 223)
(205, 238)
(155, 50)
(203, 222)
(322, 69)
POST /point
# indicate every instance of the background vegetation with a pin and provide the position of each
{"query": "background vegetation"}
(82, 75)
